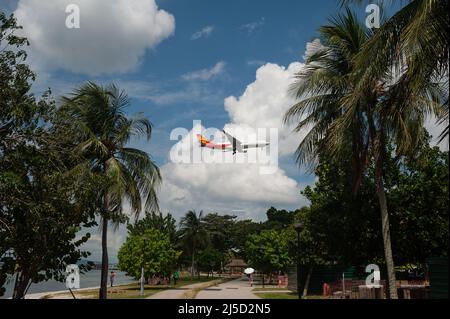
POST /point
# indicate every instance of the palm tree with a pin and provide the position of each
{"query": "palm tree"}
(341, 123)
(321, 85)
(413, 41)
(406, 60)
(193, 234)
(101, 129)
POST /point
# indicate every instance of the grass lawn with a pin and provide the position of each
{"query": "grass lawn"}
(285, 295)
(278, 295)
(270, 289)
(316, 297)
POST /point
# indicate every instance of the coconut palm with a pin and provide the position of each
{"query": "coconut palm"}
(340, 123)
(406, 63)
(193, 234)
(414, 41)
(101, 129)
(321, 85)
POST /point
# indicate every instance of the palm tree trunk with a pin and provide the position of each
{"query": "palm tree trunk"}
(193, 261)
(20, 286)
(104, 277)
(103, 294)
(385, 225)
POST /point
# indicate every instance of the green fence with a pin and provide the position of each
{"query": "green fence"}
(438, 271)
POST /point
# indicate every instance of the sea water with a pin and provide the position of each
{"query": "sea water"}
(88, 279)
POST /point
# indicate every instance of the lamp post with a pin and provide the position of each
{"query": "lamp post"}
(298, 228)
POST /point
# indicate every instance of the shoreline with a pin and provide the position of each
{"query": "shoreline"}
(67, 295)
(88, 280)
(41, 295)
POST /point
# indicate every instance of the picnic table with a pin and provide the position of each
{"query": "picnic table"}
(413, 291)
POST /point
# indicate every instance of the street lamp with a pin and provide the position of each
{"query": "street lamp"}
(298, 228)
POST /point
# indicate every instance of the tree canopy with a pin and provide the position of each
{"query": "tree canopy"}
(44, 196)
(151, 250)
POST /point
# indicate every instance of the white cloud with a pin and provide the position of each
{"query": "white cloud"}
(312, 48)
(113, 34)
(264, 103)
(253, 26)
(239, 187)
(203, 33)
(435, 130)
(205, 74)
(225, 187)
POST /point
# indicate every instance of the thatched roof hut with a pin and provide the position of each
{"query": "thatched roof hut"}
(236, 266)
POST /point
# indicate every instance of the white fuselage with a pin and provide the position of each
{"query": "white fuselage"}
(254, 144)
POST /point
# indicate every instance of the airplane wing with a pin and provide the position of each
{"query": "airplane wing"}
(237, 145)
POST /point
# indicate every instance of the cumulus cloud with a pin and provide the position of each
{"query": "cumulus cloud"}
(113, 34)
(205, 74)
(264, 103)
(435, 129)
(236, 186)
(203, 33)
(233, 185)
(312, 48)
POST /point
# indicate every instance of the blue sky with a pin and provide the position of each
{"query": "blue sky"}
(285, 28)
(226, 63)
(281, 31)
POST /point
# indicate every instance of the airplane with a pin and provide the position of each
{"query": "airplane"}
(235, 145)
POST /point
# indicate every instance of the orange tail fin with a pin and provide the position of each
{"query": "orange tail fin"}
(203, 141)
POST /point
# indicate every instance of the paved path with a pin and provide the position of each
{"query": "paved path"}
(236, 289)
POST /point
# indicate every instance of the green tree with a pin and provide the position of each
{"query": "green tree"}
(419, 196)
(363, 119)
(45, 195)
(96, 117)
(220, 234)
(338, 130)
(268, 251)
(151, 250)
(166, 224)
(19, 110)
(193, 234)
(278, 219)
(347, 226)
(321, 87)
(46, 205)
(242, 230)
(414, 40)
(209, 260)
(311, 249)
